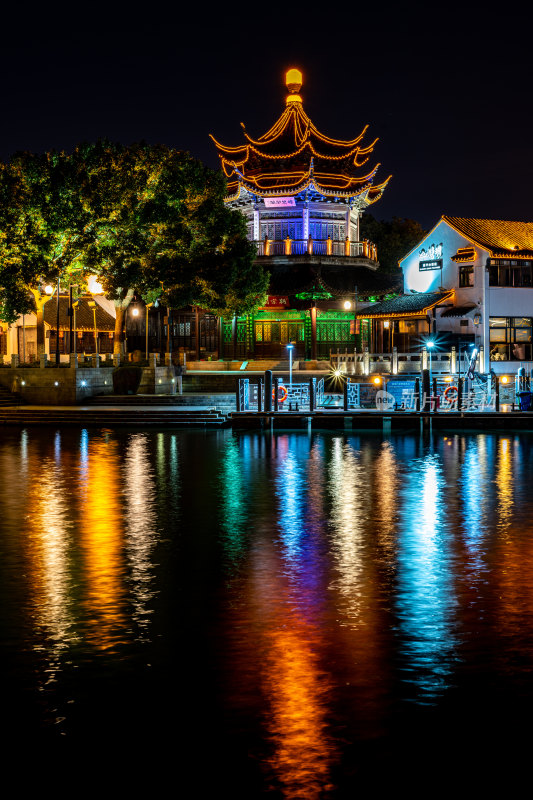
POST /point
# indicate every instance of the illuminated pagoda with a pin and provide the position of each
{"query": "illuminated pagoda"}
(303, 194)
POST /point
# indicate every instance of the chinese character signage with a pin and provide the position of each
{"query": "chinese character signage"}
(276, 301)
(279, 202)
(424, 266)
(431, 258)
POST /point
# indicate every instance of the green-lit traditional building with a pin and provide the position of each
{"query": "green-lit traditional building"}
(303, 194)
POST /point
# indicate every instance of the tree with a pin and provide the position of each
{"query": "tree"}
(393, 238)
(141, 218)
(43, 231)
(163, 229)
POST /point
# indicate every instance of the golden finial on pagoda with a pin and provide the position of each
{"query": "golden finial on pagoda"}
(293, 80)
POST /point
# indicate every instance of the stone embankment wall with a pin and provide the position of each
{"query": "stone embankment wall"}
(71, 384)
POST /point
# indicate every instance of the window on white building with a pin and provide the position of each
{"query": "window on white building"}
(510, 338)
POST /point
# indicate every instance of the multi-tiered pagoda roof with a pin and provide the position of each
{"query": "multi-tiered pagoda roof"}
(293, 156)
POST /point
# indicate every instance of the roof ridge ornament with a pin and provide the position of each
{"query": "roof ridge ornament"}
(293, 82)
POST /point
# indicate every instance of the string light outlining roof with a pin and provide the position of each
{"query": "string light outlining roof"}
(294, 155)
(502, 238)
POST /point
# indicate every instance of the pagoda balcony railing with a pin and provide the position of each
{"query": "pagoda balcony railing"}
(317, 247)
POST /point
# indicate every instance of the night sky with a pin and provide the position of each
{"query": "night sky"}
(448, 95)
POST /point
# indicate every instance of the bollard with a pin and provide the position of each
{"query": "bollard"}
(417, 394)
(312, 394)
(426, 390)
(268, 390)
(238, 394)
(459, 393)
(345, 393)
(276, 393)
(260, 394)
(496, 393)
(394, 360)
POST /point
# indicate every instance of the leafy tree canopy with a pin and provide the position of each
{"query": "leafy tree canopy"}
(393, 238)
(141, 217)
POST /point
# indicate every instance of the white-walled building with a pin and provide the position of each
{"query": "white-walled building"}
(467, 280)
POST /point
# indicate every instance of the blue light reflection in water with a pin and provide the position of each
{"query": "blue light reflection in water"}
(425, 597)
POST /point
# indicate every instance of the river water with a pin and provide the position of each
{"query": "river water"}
(288, 615)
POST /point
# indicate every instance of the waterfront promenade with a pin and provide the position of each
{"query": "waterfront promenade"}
(208, 415)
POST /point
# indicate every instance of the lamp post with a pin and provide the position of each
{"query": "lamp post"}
(93, 304)
(290, 348)
(430, 345)
(148, 306)
(49, 290)
(75, 305)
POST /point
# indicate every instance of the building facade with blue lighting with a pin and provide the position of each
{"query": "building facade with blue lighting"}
(467, 281)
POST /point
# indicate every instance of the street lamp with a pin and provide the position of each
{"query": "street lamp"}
(148, 306)
(93, 304)
(49, 290)
(75, 305)
(430, 344)
(290, 348)
(134, 313)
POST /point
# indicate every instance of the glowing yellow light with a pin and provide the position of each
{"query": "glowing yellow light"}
(347, 305)
(293, 80)
(448, 379)
(49, 289)
(135, 312)
(93, 285)
(505, 379)
(386, 323)
(376, 380)
(337, 373)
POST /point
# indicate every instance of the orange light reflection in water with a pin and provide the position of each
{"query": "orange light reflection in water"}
(101, 529)
(298, 691)
(287, 597)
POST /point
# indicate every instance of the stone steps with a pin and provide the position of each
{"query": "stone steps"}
(214, 400)
(7, 398)
(113, 417)
(261, 366)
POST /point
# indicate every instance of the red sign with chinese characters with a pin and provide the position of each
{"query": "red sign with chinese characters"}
(276, 301)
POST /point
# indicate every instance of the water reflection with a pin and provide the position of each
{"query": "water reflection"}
(101, 526)
(140, 532)
(425, 595)
(289, 597)
(330, 583)
(49, 557)
(504, 483)
(349, 491)
(233, 492)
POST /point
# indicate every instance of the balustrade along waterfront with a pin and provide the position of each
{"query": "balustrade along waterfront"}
(298, 615)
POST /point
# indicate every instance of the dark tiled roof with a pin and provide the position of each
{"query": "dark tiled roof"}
(405, 304)
(465, 255)
(459, 311)
(84, 316)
